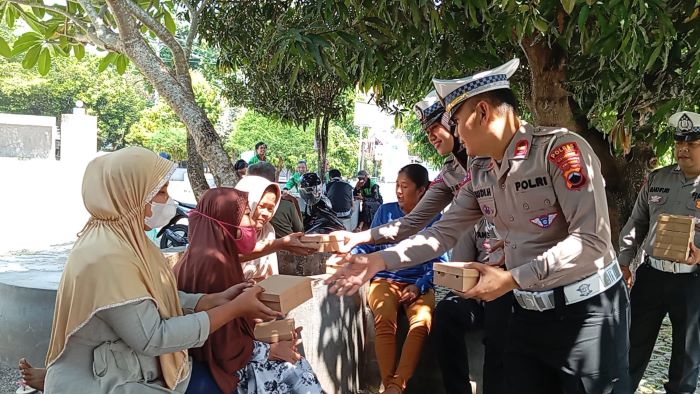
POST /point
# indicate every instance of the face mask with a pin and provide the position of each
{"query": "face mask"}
(161, 213)
(246, 243)
(249, 236)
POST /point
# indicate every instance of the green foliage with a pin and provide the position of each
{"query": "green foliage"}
(637, 61)
(418, 143)
(159, 129)
(115, 100)
(292, 143)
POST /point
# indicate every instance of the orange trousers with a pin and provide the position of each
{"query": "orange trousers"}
(384, 296)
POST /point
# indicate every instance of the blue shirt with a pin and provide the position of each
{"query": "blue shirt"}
(421, 275)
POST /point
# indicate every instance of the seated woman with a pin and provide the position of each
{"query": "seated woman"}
(410, 288)
(263, 200)
(118, 325)
(287, 218)
(235, 359)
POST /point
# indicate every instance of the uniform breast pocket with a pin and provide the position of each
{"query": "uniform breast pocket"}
(537, 200)
(656, 204)
(487, 202)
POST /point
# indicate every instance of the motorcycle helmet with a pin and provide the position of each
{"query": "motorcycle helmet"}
(310, 188)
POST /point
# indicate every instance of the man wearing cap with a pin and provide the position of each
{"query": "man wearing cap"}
(661, 286)
(454, 315)
(367, 191)
(543, 190)
(295, 180)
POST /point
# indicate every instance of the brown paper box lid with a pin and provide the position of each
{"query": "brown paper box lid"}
(455, 268)
(318, 238)
(676, 218)
(277, 286)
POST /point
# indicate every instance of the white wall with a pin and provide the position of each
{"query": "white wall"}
(41, 199)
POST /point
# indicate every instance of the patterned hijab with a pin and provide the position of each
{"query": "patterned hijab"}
(113, 263)
(211, 265)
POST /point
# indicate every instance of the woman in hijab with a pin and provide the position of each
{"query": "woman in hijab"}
(236, 361)
(263, 200)
(118, 324)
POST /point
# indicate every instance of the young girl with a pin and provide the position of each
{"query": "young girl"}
(410, 288)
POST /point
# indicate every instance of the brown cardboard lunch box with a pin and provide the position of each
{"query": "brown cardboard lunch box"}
(285, 292)
(322, 242)
(455, 276)
(673, 235)
(275, 331)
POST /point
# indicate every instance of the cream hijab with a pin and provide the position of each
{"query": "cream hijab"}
(113, 263)
(264, 266)
(256, 186)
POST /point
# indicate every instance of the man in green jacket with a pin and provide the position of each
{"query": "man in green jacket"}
(260, 150)
(295, 180)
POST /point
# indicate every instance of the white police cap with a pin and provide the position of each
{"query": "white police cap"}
(429, 109)
(453, 92)
(686, 126)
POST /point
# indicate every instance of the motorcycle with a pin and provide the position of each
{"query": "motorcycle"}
(174, 233)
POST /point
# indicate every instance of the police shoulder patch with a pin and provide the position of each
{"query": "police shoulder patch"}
(567, 157)
(521, 149)
(467, 179)
(438, 179)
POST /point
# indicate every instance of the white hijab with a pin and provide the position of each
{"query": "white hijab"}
(256, 186)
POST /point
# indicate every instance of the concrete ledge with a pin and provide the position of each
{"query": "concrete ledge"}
(25, 323)
(290, 264)
(334, 337)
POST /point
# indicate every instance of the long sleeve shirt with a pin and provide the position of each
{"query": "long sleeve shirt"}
(117, 350)
(547, 201)
(666, 191)
(421, 275)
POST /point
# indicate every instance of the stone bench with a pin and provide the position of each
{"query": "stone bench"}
(427, 377)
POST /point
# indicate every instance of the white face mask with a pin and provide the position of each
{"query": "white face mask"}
(161, 213)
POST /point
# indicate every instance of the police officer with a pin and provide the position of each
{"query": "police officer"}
(455, 314)
(543, 189)
(666, 287)
(441, 191)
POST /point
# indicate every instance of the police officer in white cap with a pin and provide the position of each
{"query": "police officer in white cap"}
(543, 189)
(664, 287)
(441, 191)
(454, 315)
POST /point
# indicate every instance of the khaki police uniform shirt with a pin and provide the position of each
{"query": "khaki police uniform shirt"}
(547, 201)
(476, 244)
(439, 195)
(666, 191)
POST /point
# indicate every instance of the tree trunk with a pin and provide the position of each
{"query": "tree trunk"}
(552, 105)
(172, 90)
(322, 144)
(195, 170)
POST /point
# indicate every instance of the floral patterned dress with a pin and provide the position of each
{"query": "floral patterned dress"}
(276, 377)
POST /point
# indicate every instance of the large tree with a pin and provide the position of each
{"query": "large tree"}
(130, 30)
(292, 82)
(610, 70)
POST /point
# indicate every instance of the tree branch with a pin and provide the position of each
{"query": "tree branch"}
(195, 17)
(179, 56)
(103, 35)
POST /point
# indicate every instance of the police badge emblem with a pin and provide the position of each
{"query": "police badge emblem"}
(684, 123)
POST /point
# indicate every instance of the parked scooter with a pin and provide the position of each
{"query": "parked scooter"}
(174, 233)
